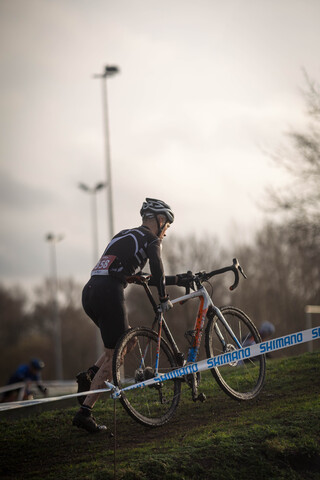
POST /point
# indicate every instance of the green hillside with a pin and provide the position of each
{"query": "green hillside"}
(276, 436)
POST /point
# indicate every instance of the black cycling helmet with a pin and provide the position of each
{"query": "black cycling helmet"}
(37, 364)
(157, 207)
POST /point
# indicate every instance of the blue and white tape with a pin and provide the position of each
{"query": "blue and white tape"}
(230, 357)
(28, 403)
(219, 361)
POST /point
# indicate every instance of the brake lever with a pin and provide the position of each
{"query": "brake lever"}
(237, 265)
(241, 271)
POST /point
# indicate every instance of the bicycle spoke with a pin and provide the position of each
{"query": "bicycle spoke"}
(241, 379)
(155, 404)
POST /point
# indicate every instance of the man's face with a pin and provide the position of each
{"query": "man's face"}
(163, 233)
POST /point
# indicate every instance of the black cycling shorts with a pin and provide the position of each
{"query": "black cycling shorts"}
(103, 301)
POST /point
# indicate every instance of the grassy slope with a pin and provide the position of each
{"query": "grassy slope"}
(276, 436)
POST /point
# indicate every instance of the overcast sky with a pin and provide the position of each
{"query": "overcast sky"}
(204, 88)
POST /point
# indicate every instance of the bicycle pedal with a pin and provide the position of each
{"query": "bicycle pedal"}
(201, 398)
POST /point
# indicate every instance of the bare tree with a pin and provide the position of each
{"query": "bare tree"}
(14, 324)
(283, 275)
(78, 333)
(300, 158)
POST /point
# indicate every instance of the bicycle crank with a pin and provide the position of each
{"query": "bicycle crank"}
(193, 380)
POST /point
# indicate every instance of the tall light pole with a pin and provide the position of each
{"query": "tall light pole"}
(53, 240)
(93, 192)
(109, 71)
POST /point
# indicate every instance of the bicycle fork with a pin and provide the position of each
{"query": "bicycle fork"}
(193, 379)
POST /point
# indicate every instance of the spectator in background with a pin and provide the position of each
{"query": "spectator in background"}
(266, 330)
(26, 373)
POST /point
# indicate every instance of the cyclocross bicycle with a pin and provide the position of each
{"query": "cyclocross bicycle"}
(142, 353)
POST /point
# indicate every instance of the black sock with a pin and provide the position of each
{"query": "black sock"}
(85, 410)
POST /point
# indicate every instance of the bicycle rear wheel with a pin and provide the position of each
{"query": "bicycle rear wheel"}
(134, 362)
(242, 379)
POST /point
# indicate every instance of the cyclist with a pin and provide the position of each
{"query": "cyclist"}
(103, 295)
(26, 373)
(266, 330)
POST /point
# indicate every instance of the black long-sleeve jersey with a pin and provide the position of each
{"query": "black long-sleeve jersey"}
(128, 252)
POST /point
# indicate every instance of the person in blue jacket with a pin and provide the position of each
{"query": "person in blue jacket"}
(26, 373)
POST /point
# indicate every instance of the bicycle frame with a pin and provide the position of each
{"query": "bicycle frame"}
(156, 358)
(205, 304)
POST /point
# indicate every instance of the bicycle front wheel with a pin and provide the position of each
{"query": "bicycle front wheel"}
(134, 361)
(240, 379)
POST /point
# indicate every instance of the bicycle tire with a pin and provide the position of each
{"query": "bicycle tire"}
(246, 380)
(152, 406)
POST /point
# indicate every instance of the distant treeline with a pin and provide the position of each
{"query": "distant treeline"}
(283, 272)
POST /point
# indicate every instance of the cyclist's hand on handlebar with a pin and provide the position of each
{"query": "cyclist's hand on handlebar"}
(165, 304)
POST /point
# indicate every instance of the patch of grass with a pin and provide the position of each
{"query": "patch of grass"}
(275, 436)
